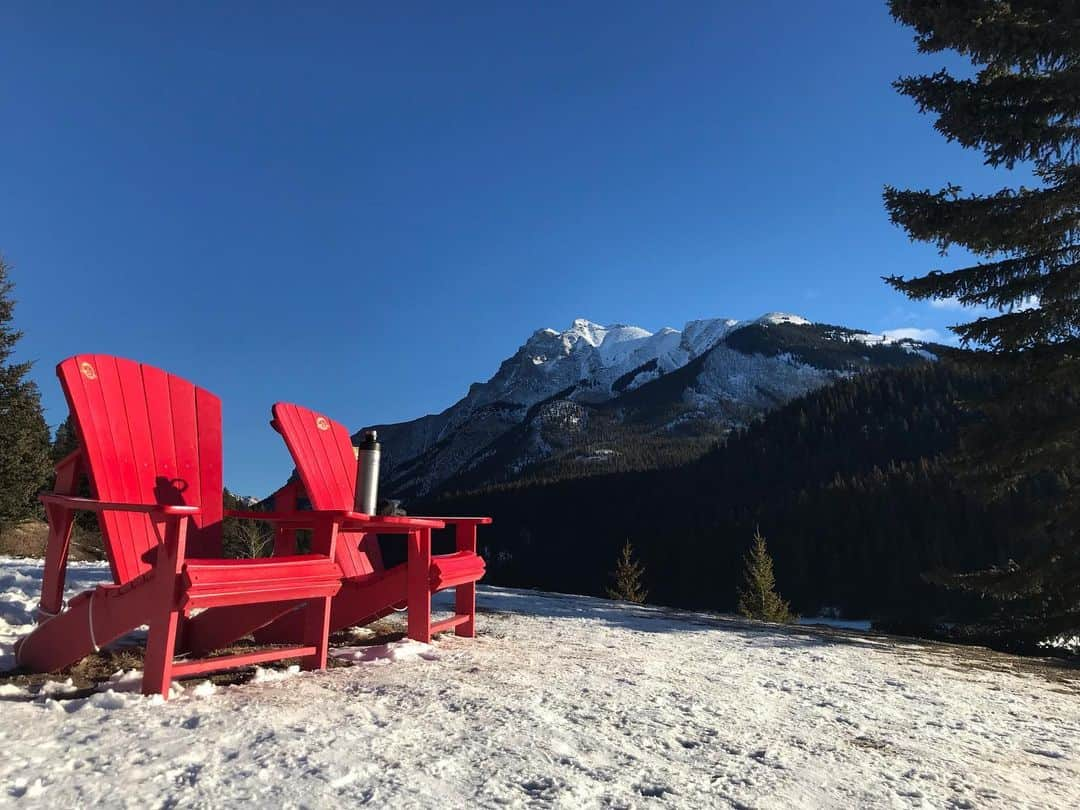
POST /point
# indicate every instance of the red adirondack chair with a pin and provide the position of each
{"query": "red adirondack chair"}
(151, 447)
(323, 452)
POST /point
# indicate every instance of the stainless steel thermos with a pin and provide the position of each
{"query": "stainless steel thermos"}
(367, 473)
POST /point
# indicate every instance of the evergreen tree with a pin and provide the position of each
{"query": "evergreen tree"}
(1022, 105)
(24, 436)
(758, 598)
(628, 575)
(66, 440)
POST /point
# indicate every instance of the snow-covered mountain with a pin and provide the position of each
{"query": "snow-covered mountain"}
(569, 392)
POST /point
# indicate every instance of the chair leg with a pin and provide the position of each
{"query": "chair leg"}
(56, 556)
(160, 648)
(316, 632)
(465, 605)
(418, 573)
(465, 594)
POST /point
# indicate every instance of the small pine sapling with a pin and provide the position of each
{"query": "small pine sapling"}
(758, 598)
(628, 574)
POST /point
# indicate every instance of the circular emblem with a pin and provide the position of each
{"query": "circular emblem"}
(88, 371)
(322, 424)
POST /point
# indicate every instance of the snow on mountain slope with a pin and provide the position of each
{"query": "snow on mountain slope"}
(562, 702)
(590, 364)
(700, 336)
(751, 383)
(782, 317)
(584, 362)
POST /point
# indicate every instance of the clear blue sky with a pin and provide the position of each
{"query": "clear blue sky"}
(364, 207)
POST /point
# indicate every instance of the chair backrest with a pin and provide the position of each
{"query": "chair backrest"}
(147, 437)
(323, 453)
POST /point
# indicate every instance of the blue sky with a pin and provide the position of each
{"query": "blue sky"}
(365, 209)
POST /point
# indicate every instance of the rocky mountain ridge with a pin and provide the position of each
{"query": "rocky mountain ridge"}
(595, 395)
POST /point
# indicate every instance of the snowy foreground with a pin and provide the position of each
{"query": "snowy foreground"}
(566, 702)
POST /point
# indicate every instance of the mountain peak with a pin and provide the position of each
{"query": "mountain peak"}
(568, 391)
(585, 323)
(783, 317)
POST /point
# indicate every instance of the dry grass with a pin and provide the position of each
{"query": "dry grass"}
(28, 539)
(92, 672)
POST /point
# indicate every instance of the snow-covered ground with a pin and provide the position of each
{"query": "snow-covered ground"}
(565, 702)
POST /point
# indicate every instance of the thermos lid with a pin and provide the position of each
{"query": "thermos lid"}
(370, 440)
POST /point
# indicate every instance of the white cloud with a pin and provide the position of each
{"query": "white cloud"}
(952, 302)
(913, 333)
(1031, 302)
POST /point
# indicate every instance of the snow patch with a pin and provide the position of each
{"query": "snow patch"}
(569, 701)
(125, 680)
(783, 317)
(274, 675)
(54, 688)
(10, 690)
(395, 652)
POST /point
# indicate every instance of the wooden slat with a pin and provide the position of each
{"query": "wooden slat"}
(119, 475)
(342, 486)
(449, 624)
(310, 475)
(208, 540)
(341, 441)
(311, 464)
(187, 485)
(117, 525)
(71, 380)
(260, 569)
(159, 412)
(183, 669)
(133, 398)
(369, 550)
(225, 596)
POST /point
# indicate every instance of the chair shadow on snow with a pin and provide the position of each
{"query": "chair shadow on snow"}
(660, 619)
(18, 577)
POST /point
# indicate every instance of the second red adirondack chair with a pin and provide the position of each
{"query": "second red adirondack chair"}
(323, 452)
(151, 448)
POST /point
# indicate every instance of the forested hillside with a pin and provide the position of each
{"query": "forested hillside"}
(849, 484)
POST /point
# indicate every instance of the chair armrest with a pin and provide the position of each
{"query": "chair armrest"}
(303, 517)
(389, 524)
(91, 505)
(351, 520)
(462, 521)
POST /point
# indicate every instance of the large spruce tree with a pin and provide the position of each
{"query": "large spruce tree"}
(24, 436)
(1021, 109)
